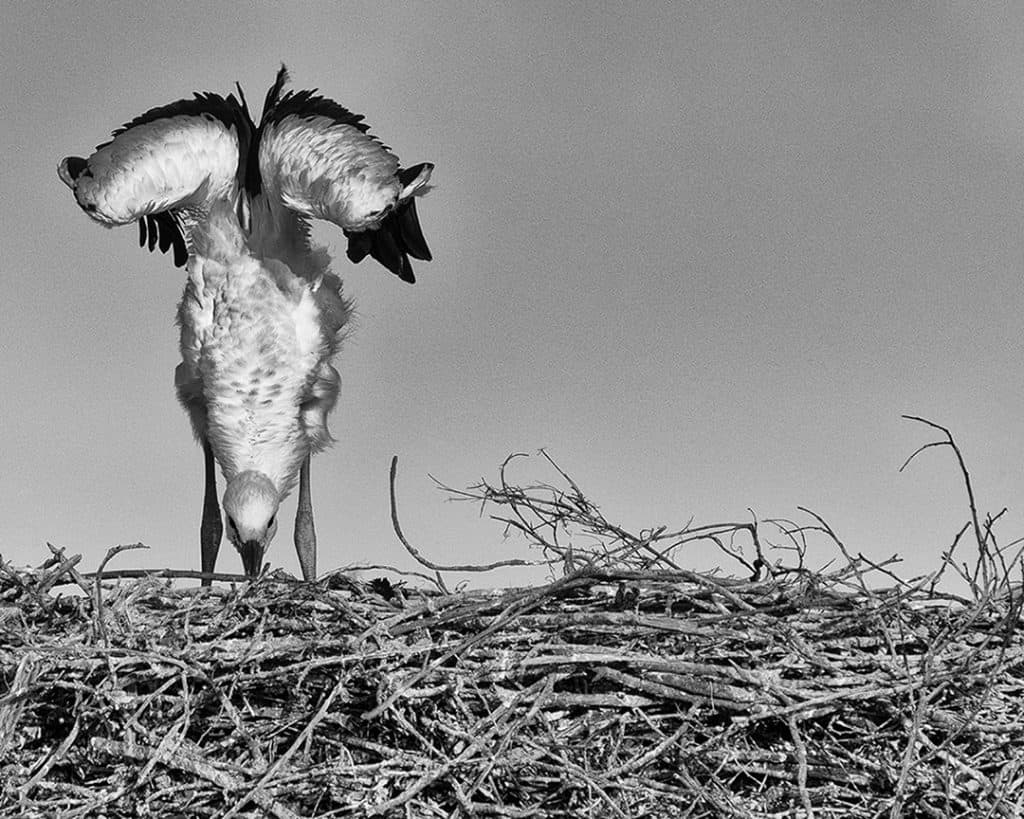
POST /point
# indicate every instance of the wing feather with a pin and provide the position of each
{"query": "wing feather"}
(170, 159)
(324, 169)
(320, 160)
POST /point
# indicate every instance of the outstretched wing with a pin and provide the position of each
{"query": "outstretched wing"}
(161, 165)
(320, 160)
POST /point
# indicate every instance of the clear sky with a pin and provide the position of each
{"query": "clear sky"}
(705, 254)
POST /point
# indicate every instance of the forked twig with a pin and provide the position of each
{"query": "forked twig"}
(101, 628)
(983, 555)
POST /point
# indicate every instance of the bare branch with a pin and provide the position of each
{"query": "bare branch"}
(438, 567)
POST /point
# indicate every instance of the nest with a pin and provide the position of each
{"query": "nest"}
(625, 687)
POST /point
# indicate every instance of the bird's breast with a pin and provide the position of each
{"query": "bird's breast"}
(250, 334)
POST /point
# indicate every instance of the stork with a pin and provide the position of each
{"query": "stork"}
(262, 316)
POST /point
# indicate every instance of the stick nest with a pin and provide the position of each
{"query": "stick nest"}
(627, 686)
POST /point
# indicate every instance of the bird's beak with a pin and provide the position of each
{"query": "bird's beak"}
(252, 557)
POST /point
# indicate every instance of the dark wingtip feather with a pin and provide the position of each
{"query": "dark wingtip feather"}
(242, 100)
(274, 94)
(168, 228)
(401, 268)
(358, 246)
(410, 231)
(180, 250)
(407, 175)
(384, 248)
(398, 237)
(163, 230)
(71, 168)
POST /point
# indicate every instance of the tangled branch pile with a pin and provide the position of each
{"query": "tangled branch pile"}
(618, 689)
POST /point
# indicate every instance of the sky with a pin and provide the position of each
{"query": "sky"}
(706, 255)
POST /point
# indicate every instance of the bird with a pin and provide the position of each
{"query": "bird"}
(262, 315)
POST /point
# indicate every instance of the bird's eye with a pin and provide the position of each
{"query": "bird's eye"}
(231, 524)
(271, 521)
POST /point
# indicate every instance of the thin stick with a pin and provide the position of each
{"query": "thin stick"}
(438, 567)
(191, 763)
(101, 626)
(975, 521)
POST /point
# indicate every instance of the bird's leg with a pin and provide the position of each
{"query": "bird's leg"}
(305, 534)
(212, 527)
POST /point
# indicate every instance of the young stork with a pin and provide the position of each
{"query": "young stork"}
(261, 316)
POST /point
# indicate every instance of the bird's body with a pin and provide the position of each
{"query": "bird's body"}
(257, 340)
(262, 316)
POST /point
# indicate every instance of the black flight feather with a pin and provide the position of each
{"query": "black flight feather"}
(164, 230)
(228, 111)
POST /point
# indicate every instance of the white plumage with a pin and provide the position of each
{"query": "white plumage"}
(262, 316)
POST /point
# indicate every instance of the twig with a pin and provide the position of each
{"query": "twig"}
(978, 536)
(437, 567)
(801, 770)
(98, 619)
(278, 763)
(76, 578)
(194, 764)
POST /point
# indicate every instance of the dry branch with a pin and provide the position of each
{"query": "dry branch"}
(628, 686)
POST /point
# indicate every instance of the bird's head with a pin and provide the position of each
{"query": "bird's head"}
(250, 512)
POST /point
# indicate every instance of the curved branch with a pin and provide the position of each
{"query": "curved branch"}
(438, 567)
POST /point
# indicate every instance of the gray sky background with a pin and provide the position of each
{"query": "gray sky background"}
(705, 254)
